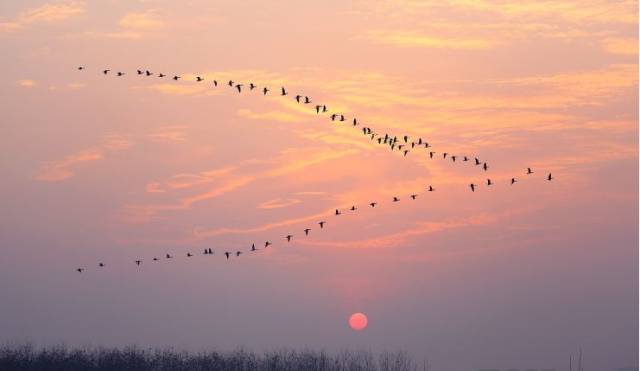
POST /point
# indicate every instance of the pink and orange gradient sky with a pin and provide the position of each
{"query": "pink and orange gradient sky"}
(110, 169)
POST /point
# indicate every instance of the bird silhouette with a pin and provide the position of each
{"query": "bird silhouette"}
(342, 118)
(138, 262)
(267, 243)
(489, 182)
(465, 158)
(355, 122)
(80, 270)
(253, 247)
(264, 91)
(529, 171)
(406, 138)
(298, 98)
(227, 254)
(306, 231)
(120, 73)
(513, 180)
(198, 79)
(239, 87)
(307, 100)
(161, 75)
(80, 68)
(288, 237)
(444, 155)
(252, 86)
(324, 108)
(210, 251)
(549, 177)
(338, 212)
(431, 154)
(155, 259)
(230, 83)
(238, 253)
(405, 152)
(322, 223)
(353, 208)
(333, 117)
(176, 77)
(485, 166)
(396, 199)
(206, 252)
(139, 72)
(215, 82)
(148, 73)
(100, 264)
(473, 187)
(477, 161)
(318, 108)
(373, 204)
(106, 71)
(453, 158)
(413, 196)
(169, 256)
(189, 255)
(431, 189)
(283, 91)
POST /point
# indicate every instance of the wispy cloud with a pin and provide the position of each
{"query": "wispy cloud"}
(59, 170)
(27, 83)
(47, 13)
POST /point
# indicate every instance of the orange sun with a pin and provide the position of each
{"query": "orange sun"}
(358, 321)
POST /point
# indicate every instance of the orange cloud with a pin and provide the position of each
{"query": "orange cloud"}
(55, 171)
(26, 83)
(47, 13)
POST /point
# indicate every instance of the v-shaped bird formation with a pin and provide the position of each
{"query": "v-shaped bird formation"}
(403, 144)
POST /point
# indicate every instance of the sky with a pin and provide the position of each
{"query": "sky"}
(112, 169)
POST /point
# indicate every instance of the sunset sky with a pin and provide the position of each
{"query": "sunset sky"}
(112, 169)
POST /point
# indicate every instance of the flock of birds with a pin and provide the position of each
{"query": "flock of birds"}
(403, 144)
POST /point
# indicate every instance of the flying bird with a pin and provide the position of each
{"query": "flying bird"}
(298, 98)
(267, 243)
(549, 177)
(414, 196)
(306, 231)
(321, 224)
(288, 237)
(80, 68)
(431, 189)
(138, 262)
(529, 171)
(444, 155)
(513, 180)
(283, 91)
(189, 255)
(106, 71)
(373, 204)
(230, 83)
(161, 75)
(169, 256)
(252, 86)
(226, 253)
(100, 264)
(238, 253)
(80, 270)
(307, 100)
(139, 72)
(353, 208)
(120, 73)
(155, 259)
(489, 182)
(485, 166)
(148, 73)
(215, 82)
(198, 79)
(431, 154)
(477, 161)
(239, 87)
(253, 247)
(176, 77)
(338, 212)
(473, 187)
(396, 199)
(264, 91)
(318, 108)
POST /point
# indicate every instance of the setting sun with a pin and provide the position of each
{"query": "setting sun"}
(358, 321)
